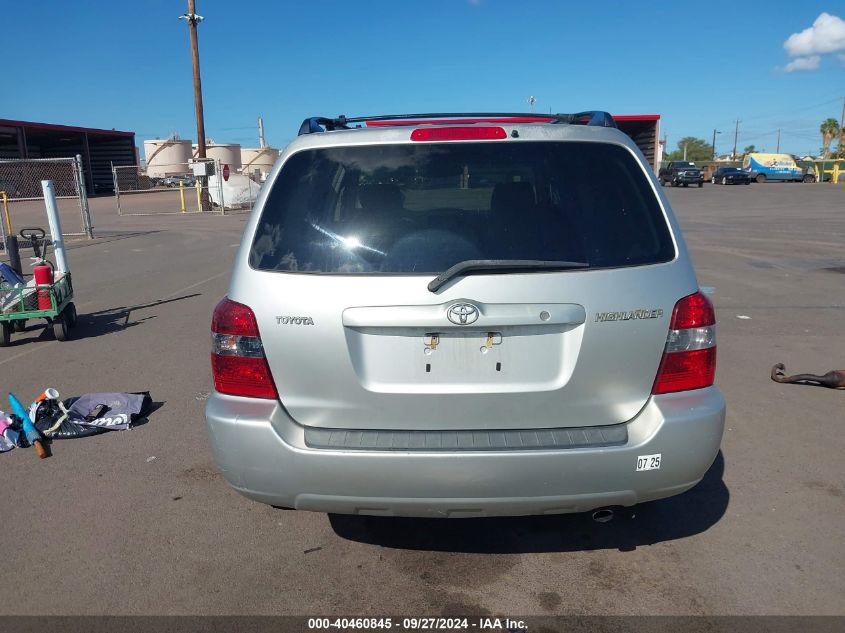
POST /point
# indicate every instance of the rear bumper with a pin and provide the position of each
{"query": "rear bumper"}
(262, 454)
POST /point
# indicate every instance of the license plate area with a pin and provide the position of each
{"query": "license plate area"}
(463, 361)
(454, 345)
(487, 340)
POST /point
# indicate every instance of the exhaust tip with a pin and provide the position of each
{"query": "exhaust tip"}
(604, 515)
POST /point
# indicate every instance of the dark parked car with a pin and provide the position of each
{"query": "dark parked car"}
(730, 176)
(681, 172)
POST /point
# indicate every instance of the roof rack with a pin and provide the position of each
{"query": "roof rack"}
(326, 124)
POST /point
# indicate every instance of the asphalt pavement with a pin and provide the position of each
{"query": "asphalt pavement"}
(140, 522)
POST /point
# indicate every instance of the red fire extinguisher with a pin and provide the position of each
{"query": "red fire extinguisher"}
(43, 277)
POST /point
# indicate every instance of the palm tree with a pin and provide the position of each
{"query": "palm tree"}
(829, 129)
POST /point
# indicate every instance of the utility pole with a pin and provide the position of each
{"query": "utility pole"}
(777, 151)
(193, 19)
(713, 144)
(685, 151)
(842, 117)
(841, 142)
(736, 135)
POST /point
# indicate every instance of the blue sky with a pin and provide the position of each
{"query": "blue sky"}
(126, 65)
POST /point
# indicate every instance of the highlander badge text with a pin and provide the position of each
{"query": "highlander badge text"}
(643, 313)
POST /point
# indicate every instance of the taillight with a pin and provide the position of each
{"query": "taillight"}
(459, 133)
(689, 358)
(238, 364)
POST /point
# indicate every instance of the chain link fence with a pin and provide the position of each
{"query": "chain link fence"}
(240, 190)
(172, 189)
(23, 197)
(168, 189)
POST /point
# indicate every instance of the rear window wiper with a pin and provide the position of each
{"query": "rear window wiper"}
(499, 265)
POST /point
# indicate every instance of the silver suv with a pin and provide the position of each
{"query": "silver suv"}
(459, 316)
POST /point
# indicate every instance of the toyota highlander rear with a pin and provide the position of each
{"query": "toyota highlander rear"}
(463, 317)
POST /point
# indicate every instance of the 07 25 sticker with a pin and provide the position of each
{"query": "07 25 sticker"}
(648, 462)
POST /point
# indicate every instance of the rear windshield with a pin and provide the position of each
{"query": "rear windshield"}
(423, 208)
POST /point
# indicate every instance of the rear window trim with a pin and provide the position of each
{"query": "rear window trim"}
(285, 157)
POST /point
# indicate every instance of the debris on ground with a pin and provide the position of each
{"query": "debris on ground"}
(8, 435)
(834, 379)
(51, 418)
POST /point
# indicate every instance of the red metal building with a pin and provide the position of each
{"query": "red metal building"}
(98, 148)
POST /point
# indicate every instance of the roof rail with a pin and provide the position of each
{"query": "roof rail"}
(327, 124)
(317, 123)
(590, 117)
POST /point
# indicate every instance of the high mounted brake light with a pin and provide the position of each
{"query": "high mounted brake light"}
(689, 358)
(238, 364)
(459, 133)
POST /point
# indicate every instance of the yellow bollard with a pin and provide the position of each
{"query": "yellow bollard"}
(199, 189)
(835, 175)
(6, 217)
(182, 194)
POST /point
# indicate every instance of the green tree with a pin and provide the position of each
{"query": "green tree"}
(697, 149)
(829, 129)
(749, 150)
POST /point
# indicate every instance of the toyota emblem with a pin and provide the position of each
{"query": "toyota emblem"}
(462, 314)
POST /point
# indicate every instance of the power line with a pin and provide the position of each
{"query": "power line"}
(811, 137)
(787, 112)
(792, 111)
(804, 109)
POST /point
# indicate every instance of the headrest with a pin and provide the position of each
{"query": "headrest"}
(512, 197)
(380, 198)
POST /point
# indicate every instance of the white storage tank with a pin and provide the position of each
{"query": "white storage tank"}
(167, 157)
(227, 153)
(259, 159)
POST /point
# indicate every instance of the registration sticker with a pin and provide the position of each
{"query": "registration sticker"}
(648, 462)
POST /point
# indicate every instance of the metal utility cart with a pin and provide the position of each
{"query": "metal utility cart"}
(17, 305)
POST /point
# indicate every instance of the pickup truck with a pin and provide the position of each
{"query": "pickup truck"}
(681, 172)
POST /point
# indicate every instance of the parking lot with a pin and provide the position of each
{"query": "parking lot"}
(140, 522)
